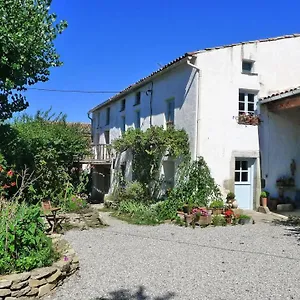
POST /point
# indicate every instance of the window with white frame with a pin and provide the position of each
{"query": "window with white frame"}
(123, 123)
(246, 102)
(137, 119)
(170, 112)
(241, 171)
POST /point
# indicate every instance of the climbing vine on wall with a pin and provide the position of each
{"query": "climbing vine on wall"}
(148, 148)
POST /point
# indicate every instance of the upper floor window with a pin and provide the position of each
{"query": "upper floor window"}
(123, 124)
(248, 66)
(98, 120)
(246, 103)
(137, 119)
(137, 98)
(170, 113)
(107, 116)
(123, 104)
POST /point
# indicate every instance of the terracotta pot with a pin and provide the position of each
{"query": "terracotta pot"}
(204, 220)
(217, 211)
(228, 220)
(264, 201)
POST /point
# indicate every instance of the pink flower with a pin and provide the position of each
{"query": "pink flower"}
(10, 173)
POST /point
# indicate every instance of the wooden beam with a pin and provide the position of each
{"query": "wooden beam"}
(284, 104)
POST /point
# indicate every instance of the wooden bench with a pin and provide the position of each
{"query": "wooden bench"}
(50, 213)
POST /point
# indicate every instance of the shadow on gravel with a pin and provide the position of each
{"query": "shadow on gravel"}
(294, 224)
(140, 294)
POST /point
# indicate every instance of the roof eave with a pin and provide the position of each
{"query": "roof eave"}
(148, 79)
(280, 96)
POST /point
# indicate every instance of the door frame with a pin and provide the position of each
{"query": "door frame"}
(256, 177)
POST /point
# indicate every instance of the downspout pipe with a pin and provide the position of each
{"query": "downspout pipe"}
(198, 119)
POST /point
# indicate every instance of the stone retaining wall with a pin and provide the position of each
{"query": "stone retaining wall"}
(40, 282)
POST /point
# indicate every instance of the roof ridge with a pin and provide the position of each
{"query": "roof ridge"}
(281, 37)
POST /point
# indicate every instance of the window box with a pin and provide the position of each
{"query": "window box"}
(248, 119)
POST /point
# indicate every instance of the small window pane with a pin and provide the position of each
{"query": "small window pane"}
(237, 165)
(244, 176)
(247, 66)
(242, 97)
(241, 106)
(251, 98)
(244, 165)
(250, 107)
(237, 176)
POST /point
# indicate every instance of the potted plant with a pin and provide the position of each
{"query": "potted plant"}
(244, 219)
(217, 207)
(229, 214)
(218, 220)
(231, 202)
(264, 198)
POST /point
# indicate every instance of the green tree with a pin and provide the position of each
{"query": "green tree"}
(27, 33)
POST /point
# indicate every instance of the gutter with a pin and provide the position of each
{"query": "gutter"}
(281, 96)
(198, 119)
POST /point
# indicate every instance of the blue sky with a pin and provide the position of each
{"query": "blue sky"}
(111, 44)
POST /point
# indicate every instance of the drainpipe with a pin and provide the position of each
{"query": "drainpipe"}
(151, 99)
(198, 119)
(92, 135)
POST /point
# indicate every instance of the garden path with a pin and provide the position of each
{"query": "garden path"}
(123, 261)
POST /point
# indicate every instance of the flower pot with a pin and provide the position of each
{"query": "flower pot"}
(204, 220)
(217, 211)
(264, 201)
(244, 221)
(228, 220)
(188, 218)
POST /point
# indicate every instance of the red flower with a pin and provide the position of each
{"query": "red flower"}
(1, 168)
(13, 184)
(5, 186)
(229, 213)
(10, 173)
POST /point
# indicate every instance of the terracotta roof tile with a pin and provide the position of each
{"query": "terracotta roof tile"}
(280, 93)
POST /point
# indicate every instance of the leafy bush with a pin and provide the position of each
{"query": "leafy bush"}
(217, 204)
(194, 186)
(74, 204)
(46, 144)
(23, 242)
(138, 213)
(218, 220)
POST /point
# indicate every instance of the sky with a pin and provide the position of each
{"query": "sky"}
(110, 44)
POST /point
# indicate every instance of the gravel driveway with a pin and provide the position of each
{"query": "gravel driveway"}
(260, 261)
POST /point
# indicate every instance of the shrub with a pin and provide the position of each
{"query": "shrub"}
(23, 242)
(218, 220)
(138, 213)
(217, 204)
(230, 196)
(74, 204)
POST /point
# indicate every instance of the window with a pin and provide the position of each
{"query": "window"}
(98, 120)
(246, 103)
(123, 124)
(123, 104)
(137, 98)
(107, 116)
(106, 136)
(241, 171)
(170, 111)
(247, 66)
(137, 119)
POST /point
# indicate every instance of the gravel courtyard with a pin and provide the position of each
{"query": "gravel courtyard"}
(122, 261)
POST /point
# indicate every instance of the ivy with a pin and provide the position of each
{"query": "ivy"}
(148, 148)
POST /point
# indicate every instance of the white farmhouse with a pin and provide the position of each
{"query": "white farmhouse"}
(209, 93)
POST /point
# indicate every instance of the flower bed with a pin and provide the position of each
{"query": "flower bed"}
(205, 217)
(40, 282)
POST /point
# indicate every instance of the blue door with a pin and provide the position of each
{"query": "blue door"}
(244, 169)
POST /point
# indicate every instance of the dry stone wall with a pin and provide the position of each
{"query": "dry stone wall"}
(40, 282)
